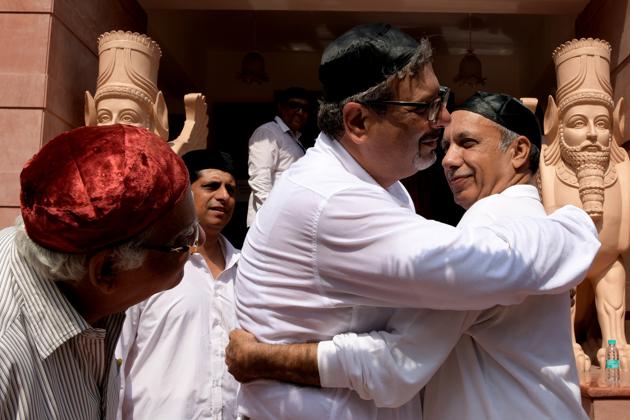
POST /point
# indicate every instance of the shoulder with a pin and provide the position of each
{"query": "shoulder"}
(328, 177)
(7, 244)
(7, 234)
(515, 201)
(9, 295)
(519, 200)
(17, 361)
(269, 130)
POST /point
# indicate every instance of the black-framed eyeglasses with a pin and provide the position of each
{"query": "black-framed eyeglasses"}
(190, 249)
(432, 108)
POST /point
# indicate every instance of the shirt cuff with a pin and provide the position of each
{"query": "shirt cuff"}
(331, 371)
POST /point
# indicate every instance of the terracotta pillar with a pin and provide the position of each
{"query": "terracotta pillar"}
(48, 58)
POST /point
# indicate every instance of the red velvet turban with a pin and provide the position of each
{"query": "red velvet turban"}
(94, 187)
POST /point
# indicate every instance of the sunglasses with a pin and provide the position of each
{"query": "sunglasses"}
(297, 106)
(432, 108)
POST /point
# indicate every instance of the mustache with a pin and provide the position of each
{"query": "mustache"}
(434, 134)
(587, 145)
(452, 174)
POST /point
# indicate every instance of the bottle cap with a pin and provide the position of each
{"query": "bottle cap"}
(613, 342)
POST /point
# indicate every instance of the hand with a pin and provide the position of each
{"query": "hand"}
(241, 356)
(194, 135)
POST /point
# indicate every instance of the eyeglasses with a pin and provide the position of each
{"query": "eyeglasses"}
(432, 108)
(297, 106)
(190, 249)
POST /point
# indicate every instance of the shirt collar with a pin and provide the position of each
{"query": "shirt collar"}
(231, 254)
(50, 317)
(285, 128)
(522, 190)
(334, 147)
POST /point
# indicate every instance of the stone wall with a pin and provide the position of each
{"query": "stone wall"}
(48, 58)
(610, 20)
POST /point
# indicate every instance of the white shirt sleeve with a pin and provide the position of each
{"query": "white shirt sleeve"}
(391, 257)
(409, 353)
(262, 161)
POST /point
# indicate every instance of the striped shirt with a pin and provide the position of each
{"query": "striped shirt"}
(53, 364)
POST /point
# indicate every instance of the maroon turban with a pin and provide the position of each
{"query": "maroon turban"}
(94, 187)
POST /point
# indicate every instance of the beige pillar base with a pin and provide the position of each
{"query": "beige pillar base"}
(602, 402)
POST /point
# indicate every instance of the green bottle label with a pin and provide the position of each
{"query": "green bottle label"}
(612, 364)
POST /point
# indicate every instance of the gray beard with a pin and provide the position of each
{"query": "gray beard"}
(590, 168)
(421, 163)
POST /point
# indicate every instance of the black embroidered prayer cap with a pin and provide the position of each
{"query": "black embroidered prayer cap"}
(506, 111)
(363, 57)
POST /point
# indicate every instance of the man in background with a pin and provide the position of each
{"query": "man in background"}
(172, 345)
(275, 145)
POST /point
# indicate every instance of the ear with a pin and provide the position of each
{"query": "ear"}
(520, 153)
(89, 110)
(619, 122)
(160, 115)
(354, 122)
(551, 120)
(101, 271)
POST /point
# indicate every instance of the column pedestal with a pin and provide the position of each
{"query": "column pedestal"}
(602, 402)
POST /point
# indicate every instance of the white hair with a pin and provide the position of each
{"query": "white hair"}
(508, 136)
(73, 267)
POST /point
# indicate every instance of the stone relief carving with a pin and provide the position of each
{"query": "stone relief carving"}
(127, 92)
(583, 164)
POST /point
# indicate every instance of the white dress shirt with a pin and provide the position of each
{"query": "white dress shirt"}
(332, 251)
(511, 362)
(272, 149)
(173, 348)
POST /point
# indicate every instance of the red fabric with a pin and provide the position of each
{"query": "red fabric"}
(94, 187)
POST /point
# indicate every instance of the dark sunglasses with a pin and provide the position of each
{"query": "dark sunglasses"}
(432, 108)
(297, 106)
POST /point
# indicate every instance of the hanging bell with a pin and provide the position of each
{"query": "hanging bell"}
(253, 68)
(470, 71)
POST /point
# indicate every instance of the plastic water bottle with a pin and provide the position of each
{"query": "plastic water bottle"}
(613, 370)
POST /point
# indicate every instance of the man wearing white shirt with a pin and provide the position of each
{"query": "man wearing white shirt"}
(338, 245)
(172, 345)
(504, 362)
(275, 145)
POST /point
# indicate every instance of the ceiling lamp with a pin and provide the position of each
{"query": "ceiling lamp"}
(253, 63)
(470, 67)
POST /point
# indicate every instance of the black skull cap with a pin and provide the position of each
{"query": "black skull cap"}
(505, 110)
(363, 57)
